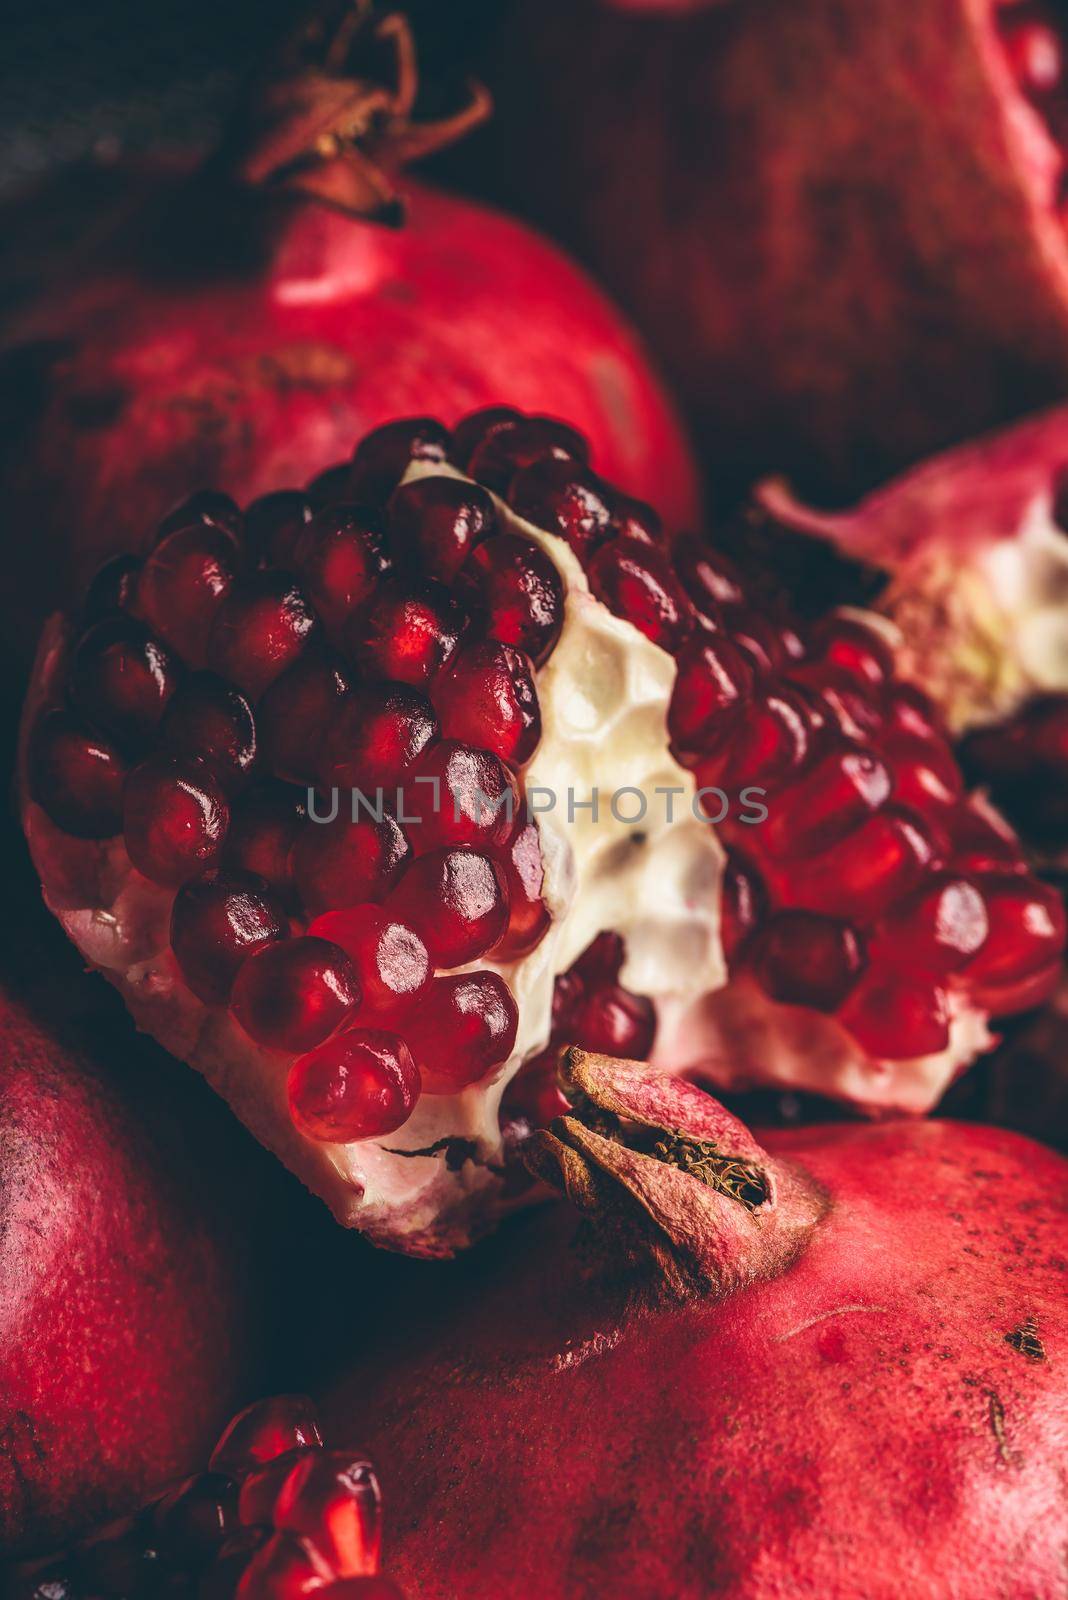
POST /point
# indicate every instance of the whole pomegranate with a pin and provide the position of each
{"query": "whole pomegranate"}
(833, 1365)
(368, 800)
(132, 1292)
(239, 324)
(841, 226)
(970, 553)
(273, 1517)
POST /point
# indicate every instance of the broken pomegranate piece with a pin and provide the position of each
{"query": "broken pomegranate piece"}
(475, 785)
(275, 1515)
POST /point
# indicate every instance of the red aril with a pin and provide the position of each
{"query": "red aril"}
(216, 925)
(493, 449)
(345, 862)
(460, 796)
(384, 455)
(517, 595)
(77, 775)
(456, 900)
(637, 582)
(183, 583)
(114, 588)
(122, 680)
(463, 1029)
(265, 824)
(359, 1085)
(208, 507)
(260, 629)
(294, 711)
(292, 995)
(806, 959)
(435, 524)
(265, 1430)
(897, 1015)
(529, 918)
(408, 633)
(340, 557)
(274, 524)
(332, 1500)
(488, 699)
(174, 819)
(207, 720)
(563, 497)
(371, 741)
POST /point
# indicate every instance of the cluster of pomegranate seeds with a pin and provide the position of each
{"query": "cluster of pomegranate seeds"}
(311, 721)
(275, 1516)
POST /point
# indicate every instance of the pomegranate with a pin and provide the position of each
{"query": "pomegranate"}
(678, 827)
(132, 1297)
(842, 229)
(240, 324)
(273, 1516)
(971, 550)
(829, 1365)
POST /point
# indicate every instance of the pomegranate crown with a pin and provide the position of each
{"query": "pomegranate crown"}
(681, 1182)
(334, 117)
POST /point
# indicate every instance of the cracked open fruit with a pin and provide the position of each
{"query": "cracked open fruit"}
(274, 1516)
(242, 322)
(531, 779)
(971, 553)
(841, 227)
(829, 1363)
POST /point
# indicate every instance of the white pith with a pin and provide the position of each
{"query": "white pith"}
(603, 695)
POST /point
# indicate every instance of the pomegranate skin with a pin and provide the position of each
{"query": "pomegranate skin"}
(132, 1294)
(245, 340)
(878, 1418)
(835, 224)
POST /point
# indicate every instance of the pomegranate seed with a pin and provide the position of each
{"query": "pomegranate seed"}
(937, 929)
(462, 1030)
(926, 776)
(207, 506)
(210, 720)
(275, 522)
(776, 739)
(534, 1097)
(564, 498)
(708, 577)
(1005, 999)
(616, 1023)
(803, 959)
(264, 827)
(744, 904)
(863, 874)
(826, 803)
(292, 995)
(469, 433)
(461, 796)
(390, 959)
(333, 1501)
(636, 581)
(114, 588)
(220, 1580)
(633, 519)
(896, 1018)
(282, 1569)
(344, 863)
(713, 682)
(183, 584)
(330, 487)
(529, 918)
(851, 647)
(756, 634)
(853, 708)
(983, 840)
(600, 963)
(435, 523)
(174, 819)
(264, 1430)
(907, 709)
(216, 924)
(339, 559)
(503, 450)
(259, 630)
(517, 593)
(374, 738)
(76, 776)
(383, 456)
(1027, 930)
(295, 709)
(259, 1490)
(194, 1520)
(359, 1085)
(488, 700)
(457, 902)
(408, 633)
(122, 679)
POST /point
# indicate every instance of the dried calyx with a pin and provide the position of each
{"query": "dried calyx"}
(673, 1177)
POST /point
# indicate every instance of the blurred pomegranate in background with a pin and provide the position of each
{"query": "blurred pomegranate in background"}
(239, 324)
(840, 226)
